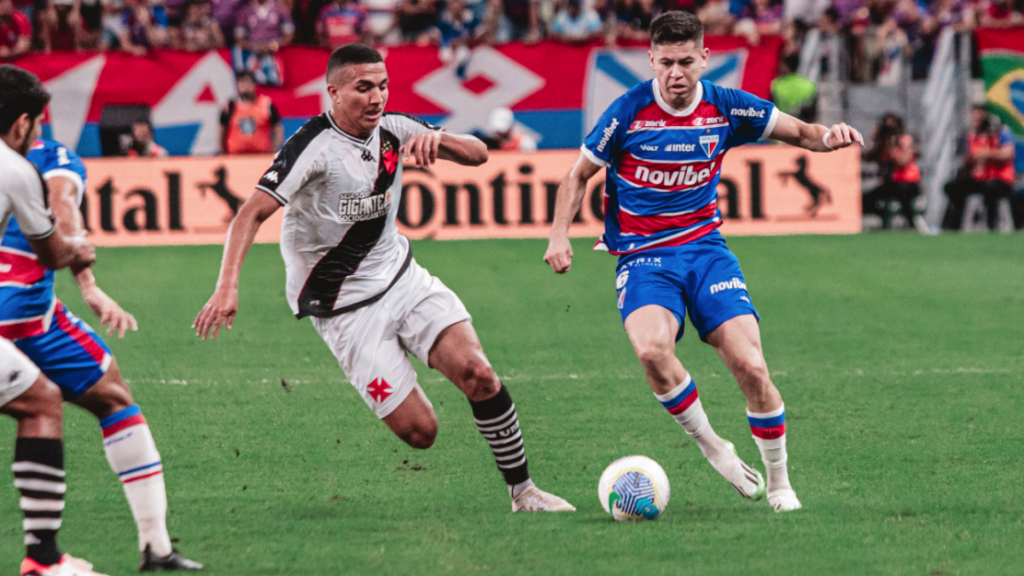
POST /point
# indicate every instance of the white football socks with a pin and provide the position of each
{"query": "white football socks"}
(769, 431)
(685, 407)
(133, 456)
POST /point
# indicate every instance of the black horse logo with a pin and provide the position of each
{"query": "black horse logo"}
(220, 188)
(820, 195)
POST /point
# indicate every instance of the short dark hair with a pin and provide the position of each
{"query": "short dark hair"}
(245, 74)
(352, 54)
(676, 27)
(792, 61)
(20, 93)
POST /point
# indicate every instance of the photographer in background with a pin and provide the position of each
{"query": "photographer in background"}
(987, 170)
(894, 151)
(250, 124)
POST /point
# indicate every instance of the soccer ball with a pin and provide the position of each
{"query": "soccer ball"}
(634, 488)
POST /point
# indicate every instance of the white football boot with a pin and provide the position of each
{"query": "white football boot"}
(534, 499)
(784, 500)
(745, 480)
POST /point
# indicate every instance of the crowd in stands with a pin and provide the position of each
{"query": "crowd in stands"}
(875, 30)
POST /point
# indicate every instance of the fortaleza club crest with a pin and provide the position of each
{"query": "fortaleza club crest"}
(709, 143)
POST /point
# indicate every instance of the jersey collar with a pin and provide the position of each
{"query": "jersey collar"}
(348, 136)
(670, 110)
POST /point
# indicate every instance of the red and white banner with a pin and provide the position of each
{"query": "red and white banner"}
(556, 90)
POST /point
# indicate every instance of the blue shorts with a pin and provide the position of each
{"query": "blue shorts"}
(69, 353)
(702, 277)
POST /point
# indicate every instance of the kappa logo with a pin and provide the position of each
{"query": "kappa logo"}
(622, 298)
(379, 389)
(747, 112)
(730, 285)
(709, 143)
(608, 132)
(648, 148)
(271, 176)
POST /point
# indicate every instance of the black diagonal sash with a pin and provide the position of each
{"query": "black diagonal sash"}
(323, 285)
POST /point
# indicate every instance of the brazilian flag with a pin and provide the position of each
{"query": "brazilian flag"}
(1002, 65)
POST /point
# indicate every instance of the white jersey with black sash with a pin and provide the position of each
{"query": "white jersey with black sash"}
(339, 241)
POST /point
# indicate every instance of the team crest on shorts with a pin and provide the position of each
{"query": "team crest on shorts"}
(379, 389)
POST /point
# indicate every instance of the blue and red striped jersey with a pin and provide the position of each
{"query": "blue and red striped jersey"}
(663, 164)
(26, 287)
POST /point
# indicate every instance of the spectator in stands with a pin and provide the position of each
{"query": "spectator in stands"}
(15, 31)
(225, 14)
(341, 22)
(504, 133)
(262, 27)
(632, 19)
(140, 144)
(383, 18)
(760, 17)
(458, 25)
(894, 151)
(987, 170)
(716, 17)
(251, 123)
(417, 19)
(1000, 14)
(574, 23)
(794, 94)
(199, 31)
(60, 25)
(519, 20)
(135, 28)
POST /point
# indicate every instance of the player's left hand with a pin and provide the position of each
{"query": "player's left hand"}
(109, 312)
(423, 148)
(842, 135)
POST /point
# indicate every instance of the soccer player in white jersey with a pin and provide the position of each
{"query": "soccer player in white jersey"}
(663, 143)
(340, 180)
(25, 394)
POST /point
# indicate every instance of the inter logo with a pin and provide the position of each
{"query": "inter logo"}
(709, 143)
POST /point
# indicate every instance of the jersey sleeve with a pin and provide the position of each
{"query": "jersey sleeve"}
(60, 161)
(752, 119)
(28, 200)
(298, 160)
(405, 126)
(605, 140)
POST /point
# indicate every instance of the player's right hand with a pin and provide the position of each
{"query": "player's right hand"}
(559, 254)
(219, 311)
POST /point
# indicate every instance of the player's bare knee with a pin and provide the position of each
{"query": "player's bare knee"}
(480, 382)
(752, 375)
(48, 403)
(653, 354)
(422, 434)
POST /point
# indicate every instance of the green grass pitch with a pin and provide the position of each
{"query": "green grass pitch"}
(900, 359)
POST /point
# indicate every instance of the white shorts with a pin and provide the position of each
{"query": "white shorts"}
(17, 372)
(371, 343)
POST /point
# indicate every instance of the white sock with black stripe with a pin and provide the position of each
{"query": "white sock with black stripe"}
(497, 421)
(39, 475)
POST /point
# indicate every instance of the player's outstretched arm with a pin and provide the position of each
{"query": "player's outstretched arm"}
(567, 204)
(63, 197)
(427, 148)
(815, 137)
(221, 308)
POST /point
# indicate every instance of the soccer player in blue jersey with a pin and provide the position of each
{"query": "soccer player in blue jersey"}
(71, 354)
(662, 144)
